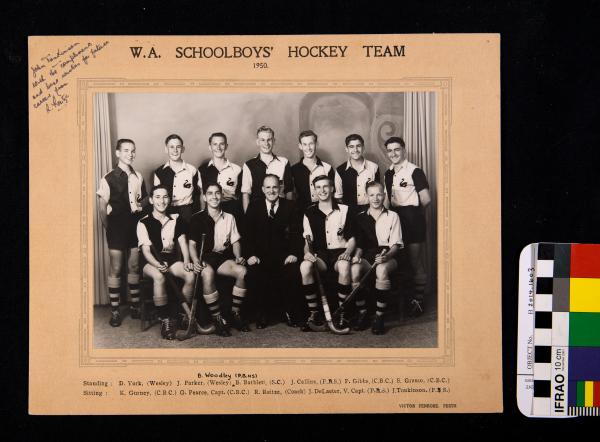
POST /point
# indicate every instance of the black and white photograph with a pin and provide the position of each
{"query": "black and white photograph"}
(259, 220)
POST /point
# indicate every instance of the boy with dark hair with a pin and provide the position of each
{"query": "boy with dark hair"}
(327, 223)
(179, 178)
(378, 239)
(307, 169)
(227, 174)
(353, 175)
(222, 256)
(407, 193)
(265, 162)
(121, 196)
(161, 231)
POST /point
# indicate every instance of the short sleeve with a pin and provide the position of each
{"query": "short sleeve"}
(143, 191)
(246, 180)
(307, 231)
(142, 234)
(181, 228)
(235, 234)
(238, 188)
(104, 190)
(396, 231)
(348, 225)
(288, 185)
(339, 191)
(420, 180)
(358, 233)
(377, 175)
(199, 178)
(195, 229)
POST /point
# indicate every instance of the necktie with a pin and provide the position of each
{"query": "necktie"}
(272, 210)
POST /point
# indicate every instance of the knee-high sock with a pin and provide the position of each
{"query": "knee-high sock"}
(420, 281)
(343, 292)
(212, 302)
(114, 291)
(310, 294)
(133, 281)
(382, 288)
(238, 294)
(361, 303)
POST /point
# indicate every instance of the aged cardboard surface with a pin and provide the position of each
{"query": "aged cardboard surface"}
(69, 376)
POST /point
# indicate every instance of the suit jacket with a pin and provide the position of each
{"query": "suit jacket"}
(273, 239)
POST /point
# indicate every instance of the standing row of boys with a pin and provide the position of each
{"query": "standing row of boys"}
(343, 212)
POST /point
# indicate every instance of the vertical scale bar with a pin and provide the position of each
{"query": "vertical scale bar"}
(596, 393)
(589, 394)
(542, 371)
(581, 393)
(526, 318)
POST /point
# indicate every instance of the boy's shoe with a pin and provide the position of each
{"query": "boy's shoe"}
(362, 321)
(316, 319)
(134, 312)
(238, 322)
(221, 326)
(415, 308)
(115, 318)
(261, 321)
(342, 322)
(289, 320)
(168, 329)
(378, 326)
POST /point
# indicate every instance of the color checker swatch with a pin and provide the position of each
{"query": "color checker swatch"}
(558, 362)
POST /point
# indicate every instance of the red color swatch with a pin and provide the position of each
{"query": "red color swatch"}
(585, 261)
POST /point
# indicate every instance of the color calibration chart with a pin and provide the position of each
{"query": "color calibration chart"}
(558, 361)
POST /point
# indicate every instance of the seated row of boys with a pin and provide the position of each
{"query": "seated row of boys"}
(262, 181)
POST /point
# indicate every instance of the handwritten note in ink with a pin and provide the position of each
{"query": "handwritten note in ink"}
(50, 75)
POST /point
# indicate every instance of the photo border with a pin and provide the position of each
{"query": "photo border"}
(442, 86)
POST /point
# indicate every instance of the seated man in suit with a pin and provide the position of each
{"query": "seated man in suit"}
(274, 245)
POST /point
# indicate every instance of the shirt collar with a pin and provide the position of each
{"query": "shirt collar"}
(384, 210)
(364, 165)
(168, 164)
(268, 203)
(227, 164)
(259, 156)
(168, 215)
(402, 164)
(120, 170)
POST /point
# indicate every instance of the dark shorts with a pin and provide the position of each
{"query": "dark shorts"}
(329, 256)
(412, 221)
(369, 255)
(215, 259)
(169, 258)
(185, 212)
(121, 231)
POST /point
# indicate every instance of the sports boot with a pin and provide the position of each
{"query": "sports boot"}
(238, 322)
(221, 326)
(167, 329)
(362, 321)
(378, 327)
(115, 318)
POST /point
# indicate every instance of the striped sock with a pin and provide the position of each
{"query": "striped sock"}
(114, 291)
(420, 283)
(212, 302)
(310, 294)
(382, 288)
(238, 294)
(361, 303)
(133, 281)
(343, 292)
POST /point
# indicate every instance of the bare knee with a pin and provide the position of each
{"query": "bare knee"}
(306, 268)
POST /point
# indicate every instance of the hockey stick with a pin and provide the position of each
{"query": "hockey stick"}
(182, 300)
(193, 327)
(324, 303)
(361, 283)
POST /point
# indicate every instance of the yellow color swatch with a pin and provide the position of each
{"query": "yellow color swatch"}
(585, 295)
(589, 393)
